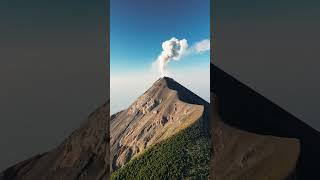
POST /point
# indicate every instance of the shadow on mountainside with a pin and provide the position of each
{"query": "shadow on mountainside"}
(245, 109)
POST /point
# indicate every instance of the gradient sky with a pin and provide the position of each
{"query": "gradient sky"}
(137, 30)
(273, 46)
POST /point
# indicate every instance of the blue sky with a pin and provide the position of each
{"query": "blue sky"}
(138, 28)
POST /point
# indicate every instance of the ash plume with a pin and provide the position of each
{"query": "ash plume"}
(172, 49)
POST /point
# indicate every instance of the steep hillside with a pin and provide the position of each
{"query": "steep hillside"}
(184, 155)
(244, 109)
(151, 126)
(239, 154)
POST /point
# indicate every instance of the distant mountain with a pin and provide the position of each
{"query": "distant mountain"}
(84, 155)
(250, 128)
(164, 133)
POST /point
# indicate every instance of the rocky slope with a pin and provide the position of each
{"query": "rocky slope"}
(240, 154)
(161, 112)
(246, 116)
(83, 155)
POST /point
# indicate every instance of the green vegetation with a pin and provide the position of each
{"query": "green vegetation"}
(185, 155)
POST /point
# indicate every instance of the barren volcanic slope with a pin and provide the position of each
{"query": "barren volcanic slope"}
(152, 132)
(239, 154)
(83, 155)
(246, 117)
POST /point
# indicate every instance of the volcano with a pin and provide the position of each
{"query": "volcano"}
(156, 125)
(163, 134)
(256, 139)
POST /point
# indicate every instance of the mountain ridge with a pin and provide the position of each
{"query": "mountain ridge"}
(245, 109)
(163, 110)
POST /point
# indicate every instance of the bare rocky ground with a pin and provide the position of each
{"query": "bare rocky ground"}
(237, 154)
(161, 112)
(165, 109)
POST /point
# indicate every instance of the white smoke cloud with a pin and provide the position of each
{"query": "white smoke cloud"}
(172, 49)
(175, 49)
(202, 46)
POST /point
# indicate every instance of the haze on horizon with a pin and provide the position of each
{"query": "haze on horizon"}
(141, 39)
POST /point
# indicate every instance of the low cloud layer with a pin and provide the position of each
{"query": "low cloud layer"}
(196, 79)
(175, 49)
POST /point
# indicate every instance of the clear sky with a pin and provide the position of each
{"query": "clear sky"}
(138, 29)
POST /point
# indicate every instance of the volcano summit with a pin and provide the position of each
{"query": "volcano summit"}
(163, 133)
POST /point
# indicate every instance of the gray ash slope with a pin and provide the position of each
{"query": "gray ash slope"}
(162, 111)
(83, 155)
